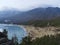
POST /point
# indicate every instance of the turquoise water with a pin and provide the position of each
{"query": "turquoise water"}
(14, 30)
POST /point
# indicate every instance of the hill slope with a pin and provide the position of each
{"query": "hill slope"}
(15, 16)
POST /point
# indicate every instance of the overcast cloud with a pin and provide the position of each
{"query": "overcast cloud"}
(28, 4)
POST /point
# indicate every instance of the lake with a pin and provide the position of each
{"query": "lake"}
(13, 30)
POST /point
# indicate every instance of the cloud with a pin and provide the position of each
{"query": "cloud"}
(28, 4)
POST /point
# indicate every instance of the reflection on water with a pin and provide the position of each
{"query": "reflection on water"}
(13, 30)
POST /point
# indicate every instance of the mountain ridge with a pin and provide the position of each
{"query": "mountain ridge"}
(15, 16)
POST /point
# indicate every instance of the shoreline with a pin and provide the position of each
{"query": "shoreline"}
(37, 32)
(24, 29)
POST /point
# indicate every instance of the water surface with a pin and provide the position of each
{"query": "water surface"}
(14, 30)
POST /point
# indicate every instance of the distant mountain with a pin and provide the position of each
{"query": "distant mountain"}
(16, 16)
(45, 13)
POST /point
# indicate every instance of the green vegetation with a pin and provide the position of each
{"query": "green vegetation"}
(46, 40)
(44, 23)
(26, 41)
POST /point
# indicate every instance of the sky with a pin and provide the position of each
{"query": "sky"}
(24, 5)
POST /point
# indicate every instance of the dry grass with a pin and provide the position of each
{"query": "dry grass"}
(39, 32)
